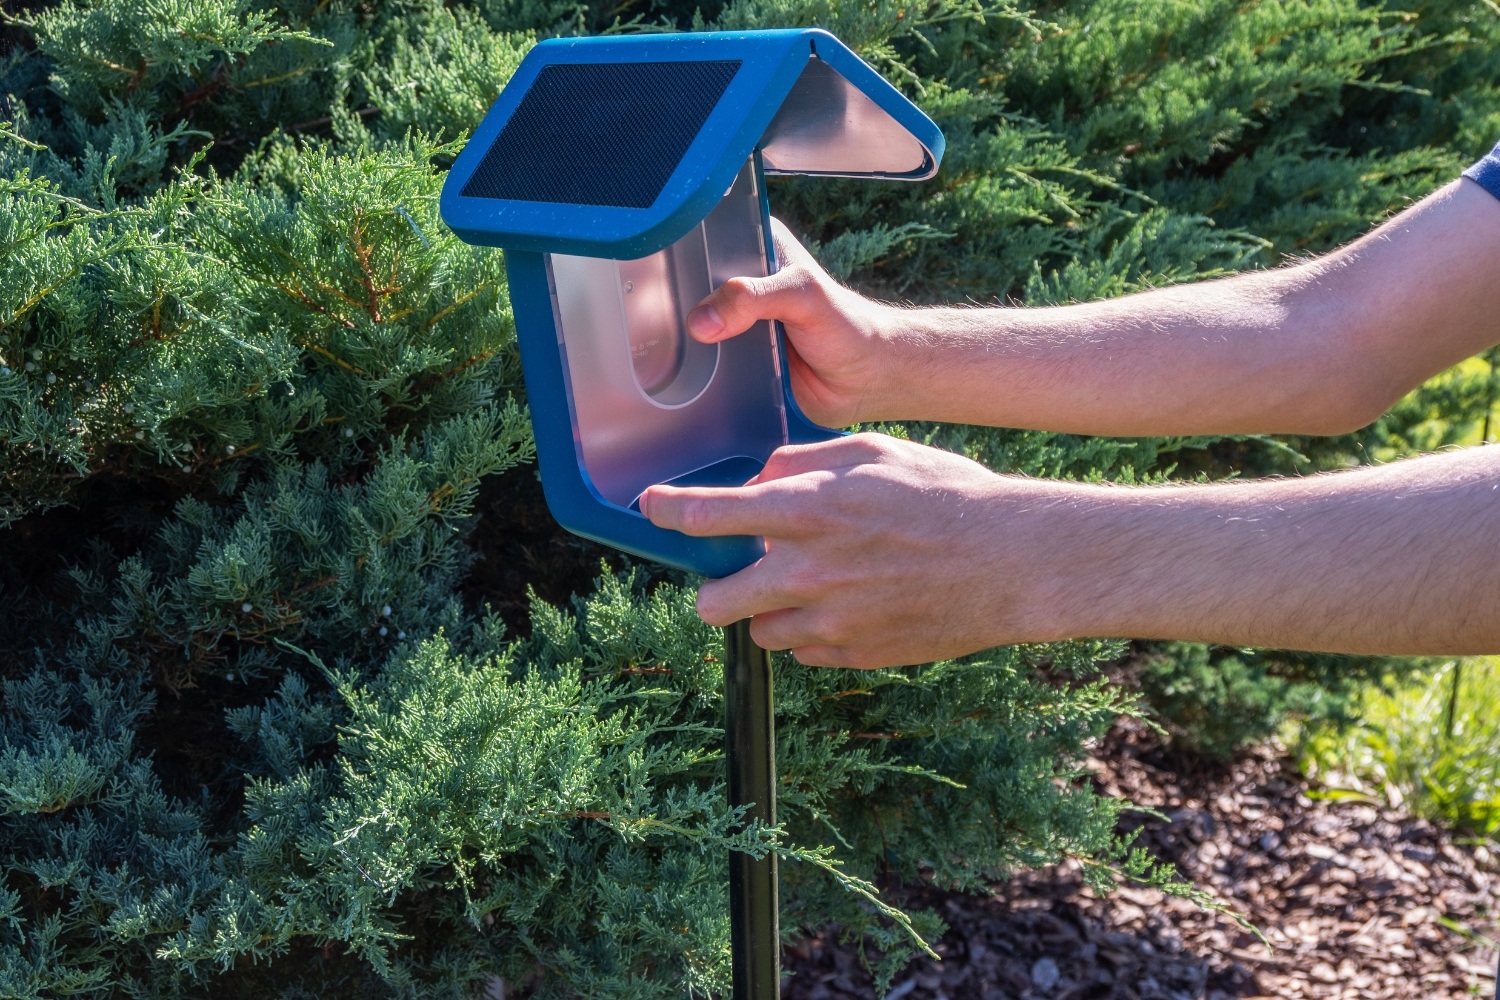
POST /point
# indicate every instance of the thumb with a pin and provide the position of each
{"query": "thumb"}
(740, 303)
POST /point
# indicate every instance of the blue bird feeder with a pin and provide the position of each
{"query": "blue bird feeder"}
(625, 179)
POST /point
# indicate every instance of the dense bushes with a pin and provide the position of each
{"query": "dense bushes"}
(260, 736)
(1214, 700)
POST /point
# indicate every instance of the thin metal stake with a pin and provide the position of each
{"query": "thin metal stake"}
(750, 738)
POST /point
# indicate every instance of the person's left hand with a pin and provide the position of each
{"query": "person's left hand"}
(880, 552)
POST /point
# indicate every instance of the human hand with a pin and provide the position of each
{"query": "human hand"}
(837, 345)
(879, 552)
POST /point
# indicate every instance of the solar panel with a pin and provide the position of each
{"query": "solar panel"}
(601, 133)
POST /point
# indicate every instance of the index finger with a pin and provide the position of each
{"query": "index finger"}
(717, 510)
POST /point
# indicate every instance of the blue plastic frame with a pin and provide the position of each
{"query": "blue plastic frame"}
(771, 62)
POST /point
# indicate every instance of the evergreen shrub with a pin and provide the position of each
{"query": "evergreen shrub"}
(1215, 699)
(271, 728)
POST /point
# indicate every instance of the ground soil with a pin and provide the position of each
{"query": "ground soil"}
(1357, 901)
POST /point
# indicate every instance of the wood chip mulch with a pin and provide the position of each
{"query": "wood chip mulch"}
(1358, 902)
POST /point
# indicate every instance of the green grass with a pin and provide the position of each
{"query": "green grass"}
(1431, 747)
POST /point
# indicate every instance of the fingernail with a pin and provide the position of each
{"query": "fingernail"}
(705, 321)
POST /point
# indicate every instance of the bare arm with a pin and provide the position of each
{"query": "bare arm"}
(884, 552)
(1320, 347)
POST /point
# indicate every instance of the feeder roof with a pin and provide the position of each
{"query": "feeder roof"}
(616, 147)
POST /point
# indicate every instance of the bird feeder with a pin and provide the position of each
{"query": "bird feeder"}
(625, 179)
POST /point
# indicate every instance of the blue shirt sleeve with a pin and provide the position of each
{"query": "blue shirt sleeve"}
(1486, 173)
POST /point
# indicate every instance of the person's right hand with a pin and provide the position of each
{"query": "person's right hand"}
(839, 363)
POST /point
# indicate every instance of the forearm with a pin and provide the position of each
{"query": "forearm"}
(1227, 356)
(1322, 347)
(1403, 558)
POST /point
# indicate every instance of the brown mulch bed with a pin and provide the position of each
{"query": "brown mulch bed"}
(1357, 901)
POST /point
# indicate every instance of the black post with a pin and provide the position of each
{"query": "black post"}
(750, 743)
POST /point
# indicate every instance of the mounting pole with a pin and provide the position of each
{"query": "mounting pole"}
(750, 743)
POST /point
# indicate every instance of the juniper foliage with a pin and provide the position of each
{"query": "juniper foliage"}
(259, 734)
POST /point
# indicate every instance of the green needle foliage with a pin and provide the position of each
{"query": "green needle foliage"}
(260, 412)
(1215, 700)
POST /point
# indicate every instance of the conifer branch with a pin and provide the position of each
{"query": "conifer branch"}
(471, 293)
(315, 307)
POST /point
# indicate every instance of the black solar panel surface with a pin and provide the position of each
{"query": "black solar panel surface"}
(601, 133)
